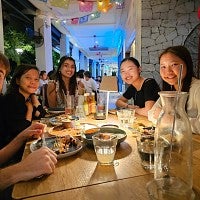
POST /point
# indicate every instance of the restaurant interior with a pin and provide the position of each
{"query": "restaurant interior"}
(98, 35)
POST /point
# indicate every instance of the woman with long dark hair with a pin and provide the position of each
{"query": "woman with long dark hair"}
(65, 83)
(170, 61)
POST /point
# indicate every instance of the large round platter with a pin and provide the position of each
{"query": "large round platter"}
(37, 144)
(72, 131)
(56, 121)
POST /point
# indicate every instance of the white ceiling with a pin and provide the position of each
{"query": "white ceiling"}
(110, 30)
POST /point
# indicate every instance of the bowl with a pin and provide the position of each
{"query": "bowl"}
(121, 135)
(90, 132)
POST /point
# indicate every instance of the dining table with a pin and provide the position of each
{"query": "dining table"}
(80, 177)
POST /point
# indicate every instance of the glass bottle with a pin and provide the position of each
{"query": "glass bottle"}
(173, 145)
(93, 103)
(86, 103)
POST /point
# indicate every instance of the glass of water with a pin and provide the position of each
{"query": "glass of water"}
(126, 117)
(105, 147)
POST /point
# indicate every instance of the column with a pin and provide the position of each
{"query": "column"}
(1, 30)
(64, 45)
(94, 69)
(44, 59)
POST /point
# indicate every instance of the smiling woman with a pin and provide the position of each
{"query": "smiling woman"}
(65, 83)
(20, 104)
(143, 91)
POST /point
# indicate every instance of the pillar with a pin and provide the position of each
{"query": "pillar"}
(44, 60)
(64, 45)
(1, 30)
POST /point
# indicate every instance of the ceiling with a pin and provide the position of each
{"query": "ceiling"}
(99, 38)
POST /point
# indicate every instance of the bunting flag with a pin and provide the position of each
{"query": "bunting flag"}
(75, 20)
(95, 15)
(60, 3)
(85, 6)
(83, 19)
(104, 5)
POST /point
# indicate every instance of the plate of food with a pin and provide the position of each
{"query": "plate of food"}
(56, 110)
(73, 128)
(63, 146)
(58, 120)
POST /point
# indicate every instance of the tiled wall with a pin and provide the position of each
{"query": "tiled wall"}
(164, 23)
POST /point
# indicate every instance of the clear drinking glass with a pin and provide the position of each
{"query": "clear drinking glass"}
(126, 117)
(69, 104)
(145, 146)
(105, 147)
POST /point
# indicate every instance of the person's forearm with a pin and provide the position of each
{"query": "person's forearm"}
(9, 150)
(10, 175)
(121, 104)
(142, 111)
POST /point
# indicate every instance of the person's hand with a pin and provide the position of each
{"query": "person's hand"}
(33, 131)
(39, 162)
(34, 100)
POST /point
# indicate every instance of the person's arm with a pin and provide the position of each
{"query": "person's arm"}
(51, 94)
(29, 112)
(81, 88)
(144, 111)
(38, 110)
(154, 112)
(122, 102)
(34, 131)
(29, 168)
(193, 107)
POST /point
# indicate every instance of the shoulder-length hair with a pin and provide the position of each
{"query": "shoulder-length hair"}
(183, 53)
(19, 71)
(72, 81)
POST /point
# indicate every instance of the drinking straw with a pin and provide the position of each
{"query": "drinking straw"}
(175, 109)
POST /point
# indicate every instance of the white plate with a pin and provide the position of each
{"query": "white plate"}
(56, 121)
(56, 112)
(71, 131)
(37, 144)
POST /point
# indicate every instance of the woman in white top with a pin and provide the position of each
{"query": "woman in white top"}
(65, 83)
(170, 60)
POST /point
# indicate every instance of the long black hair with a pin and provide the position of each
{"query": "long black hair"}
(19, 71)
(183, 53)
(72, 81)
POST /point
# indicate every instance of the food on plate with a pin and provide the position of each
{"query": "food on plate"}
(104, 136)
(62, 144)
(92, 131)
(62, 131)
